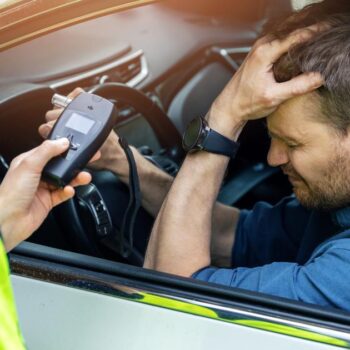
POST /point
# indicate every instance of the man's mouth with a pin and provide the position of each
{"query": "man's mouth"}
(292, 177)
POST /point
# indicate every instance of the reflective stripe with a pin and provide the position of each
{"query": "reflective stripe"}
(183, 306)
(287, 330)
(10, 335)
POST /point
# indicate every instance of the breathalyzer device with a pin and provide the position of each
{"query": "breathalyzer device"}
(86, 122)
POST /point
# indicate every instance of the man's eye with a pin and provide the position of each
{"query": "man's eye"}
(292, 145)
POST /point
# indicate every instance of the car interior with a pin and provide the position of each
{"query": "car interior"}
(161, 74)
(162, 64)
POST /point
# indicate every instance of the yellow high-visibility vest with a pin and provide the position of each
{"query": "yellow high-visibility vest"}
(10, 334)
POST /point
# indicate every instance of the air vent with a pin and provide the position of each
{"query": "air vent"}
(130, 70)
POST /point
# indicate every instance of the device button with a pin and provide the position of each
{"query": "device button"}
(74, 146)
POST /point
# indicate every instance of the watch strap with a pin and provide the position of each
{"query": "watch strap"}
(219, 144)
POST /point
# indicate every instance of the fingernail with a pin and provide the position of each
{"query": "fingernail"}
(63, 141)
(45, 130)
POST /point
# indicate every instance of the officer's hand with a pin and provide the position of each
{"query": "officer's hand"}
(25, 200)
(253, 91)
(112, 155)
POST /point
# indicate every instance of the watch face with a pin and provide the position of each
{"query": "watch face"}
(192, 134)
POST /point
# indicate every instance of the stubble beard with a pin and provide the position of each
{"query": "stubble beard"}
(331, 192)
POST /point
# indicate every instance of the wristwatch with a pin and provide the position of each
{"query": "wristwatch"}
(199, 136)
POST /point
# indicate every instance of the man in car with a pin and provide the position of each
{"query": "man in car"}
(299, 248)
(25, 202)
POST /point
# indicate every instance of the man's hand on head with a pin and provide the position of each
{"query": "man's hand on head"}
(253, 92)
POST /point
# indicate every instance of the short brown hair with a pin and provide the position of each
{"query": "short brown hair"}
(281, 26)
(327, 53)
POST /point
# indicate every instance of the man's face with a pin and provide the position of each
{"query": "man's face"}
(315, 157)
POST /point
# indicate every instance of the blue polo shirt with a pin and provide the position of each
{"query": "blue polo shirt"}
(289, 251)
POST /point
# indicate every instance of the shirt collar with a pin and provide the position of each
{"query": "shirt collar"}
(342, 217)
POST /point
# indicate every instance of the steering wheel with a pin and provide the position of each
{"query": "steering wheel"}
(166, 132)
(73, 215)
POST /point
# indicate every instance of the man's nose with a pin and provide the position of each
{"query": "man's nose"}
(278, 153)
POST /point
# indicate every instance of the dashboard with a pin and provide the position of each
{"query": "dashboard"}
(166, 36)
(180, 59)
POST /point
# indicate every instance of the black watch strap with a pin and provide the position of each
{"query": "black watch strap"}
(219, 144)
(199, 136)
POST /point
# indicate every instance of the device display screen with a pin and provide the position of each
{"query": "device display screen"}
(79, 123)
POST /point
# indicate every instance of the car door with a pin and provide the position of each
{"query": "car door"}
(71, 301)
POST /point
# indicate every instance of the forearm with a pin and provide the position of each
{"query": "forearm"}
(182, 238)
(155, 185)
(224, 226)
(154, 182)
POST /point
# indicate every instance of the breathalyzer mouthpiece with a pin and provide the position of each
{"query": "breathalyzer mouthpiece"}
(60, 100)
